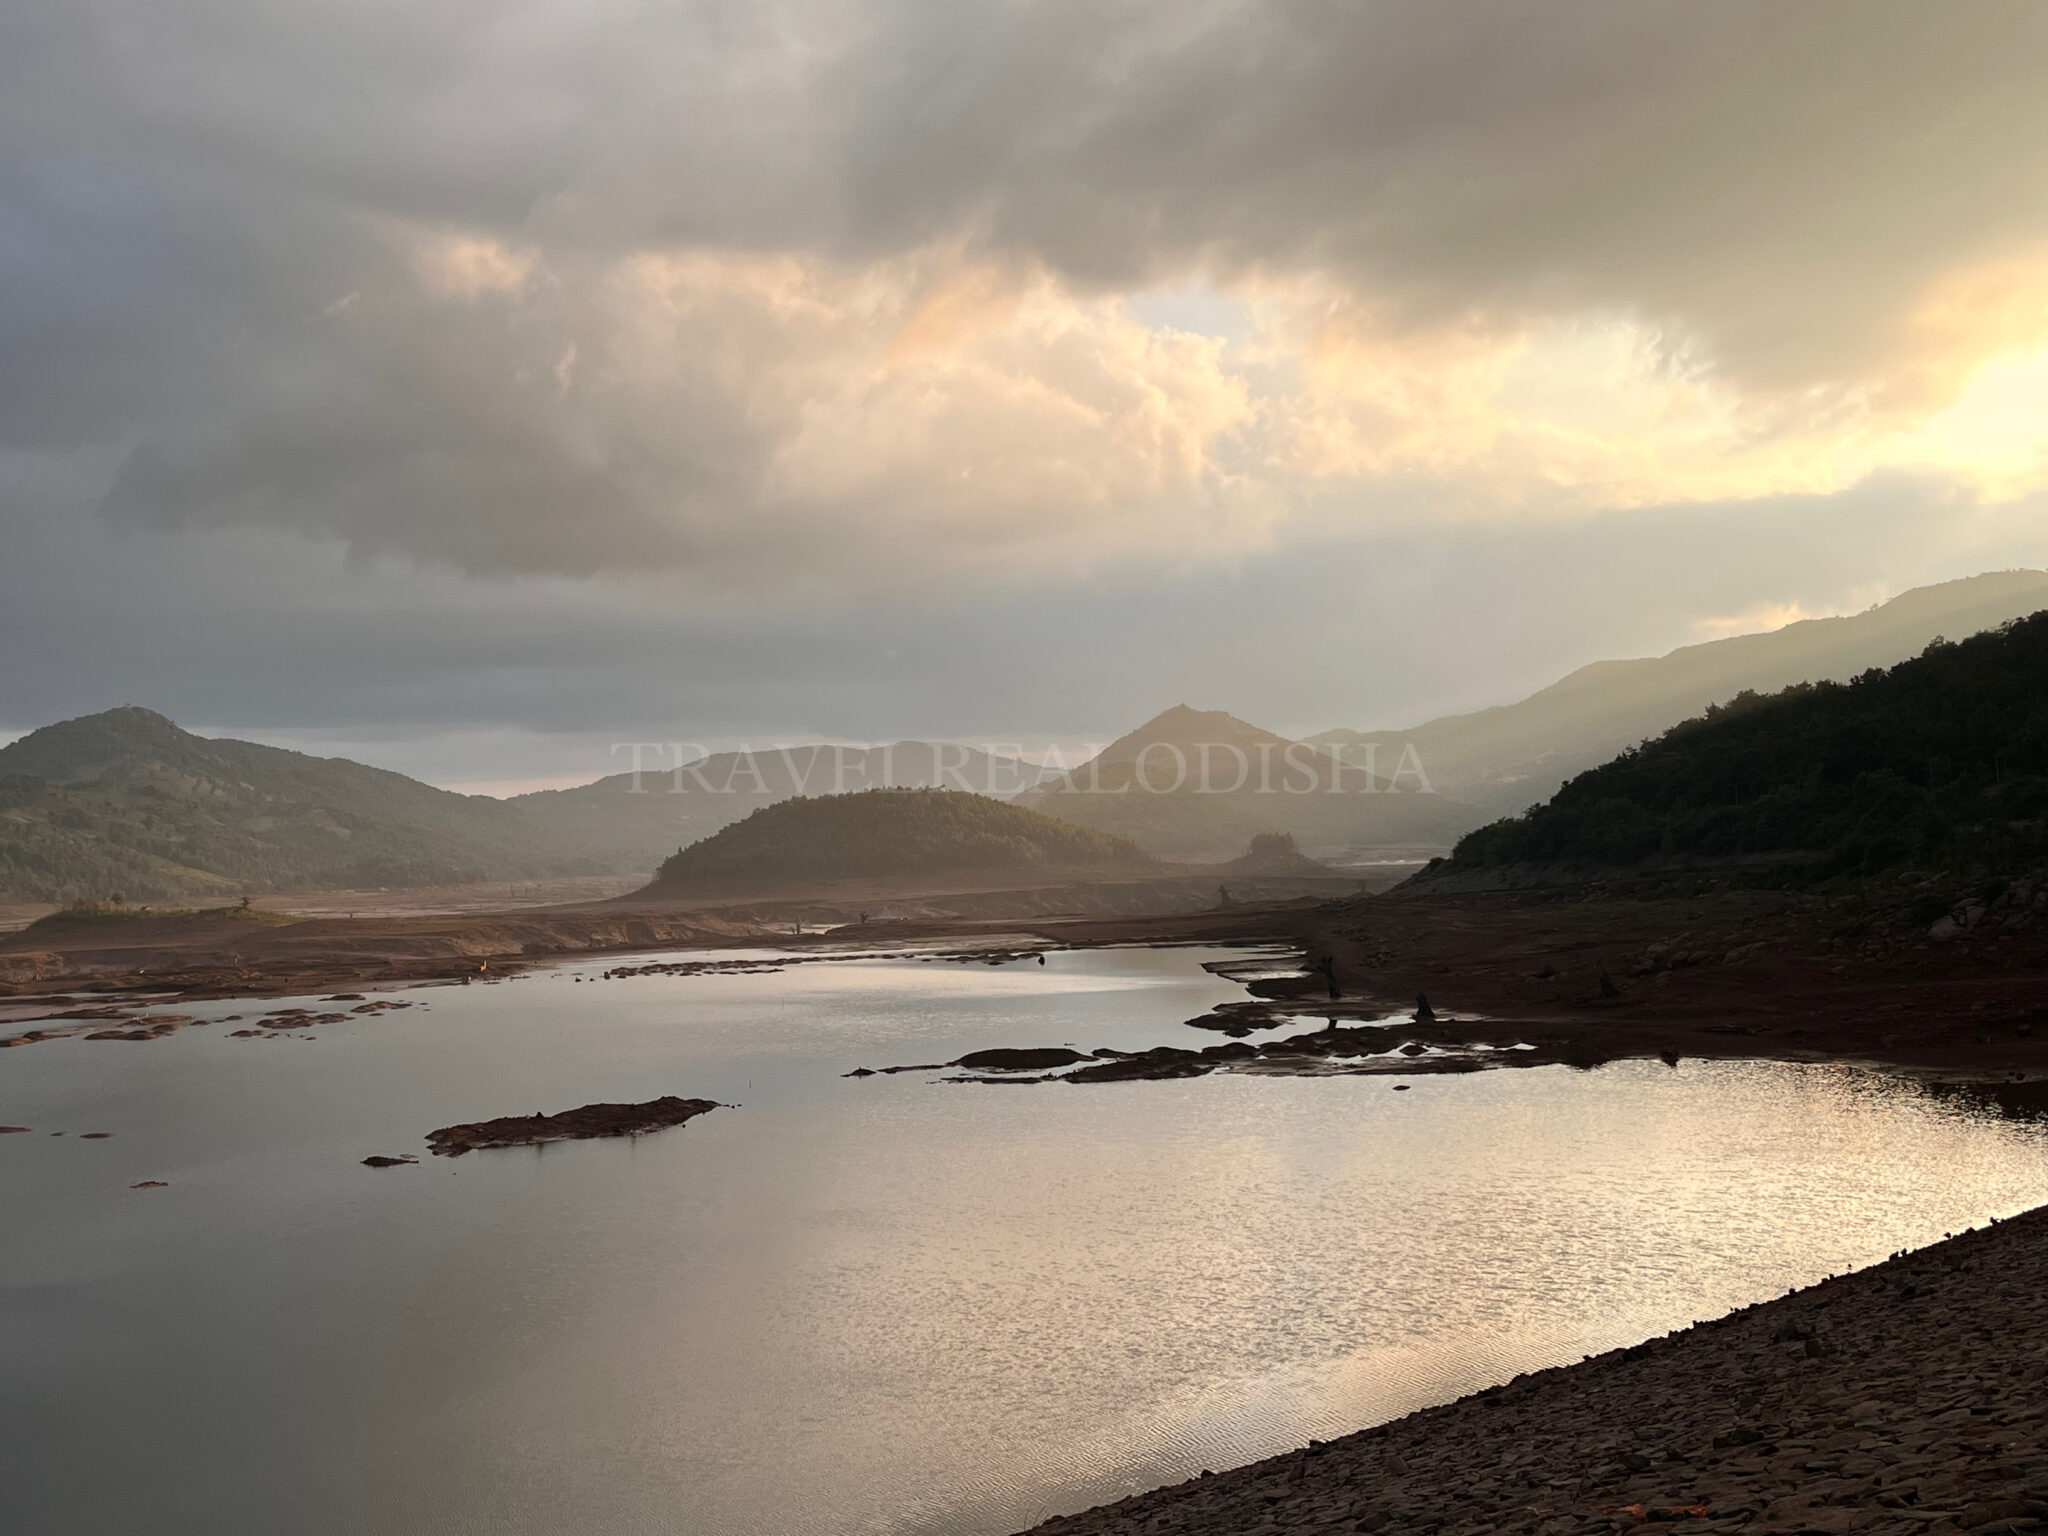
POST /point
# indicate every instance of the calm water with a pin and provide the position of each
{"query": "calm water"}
(870, 1305)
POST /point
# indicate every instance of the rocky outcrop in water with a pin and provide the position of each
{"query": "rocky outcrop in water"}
(1021, 1059)
(585, 1124)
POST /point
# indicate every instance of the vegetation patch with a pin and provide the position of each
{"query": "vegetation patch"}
(894, 834)
(1938, 762)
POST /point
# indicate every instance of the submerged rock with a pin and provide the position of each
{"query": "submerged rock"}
(1142, 1068)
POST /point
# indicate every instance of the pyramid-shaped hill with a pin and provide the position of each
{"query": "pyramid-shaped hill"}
(897, 837)
(1200, 784)
(1275, 853)
(1191, 732)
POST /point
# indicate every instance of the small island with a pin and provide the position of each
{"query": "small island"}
(586, 1124)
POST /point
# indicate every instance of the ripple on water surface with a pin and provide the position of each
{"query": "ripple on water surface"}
(875, 1305)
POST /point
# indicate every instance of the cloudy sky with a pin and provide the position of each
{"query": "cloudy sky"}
(468, 386)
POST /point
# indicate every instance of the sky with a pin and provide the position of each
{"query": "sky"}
(468, 387)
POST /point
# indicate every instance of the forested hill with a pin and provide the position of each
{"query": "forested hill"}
(1516, 755)
(125, 801)
(886, 834)
(1939, 761)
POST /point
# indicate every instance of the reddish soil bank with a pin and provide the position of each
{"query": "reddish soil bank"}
(1726, 974)
(232, 955)
(97, 971)
(1722, 974)
(1906, 1398)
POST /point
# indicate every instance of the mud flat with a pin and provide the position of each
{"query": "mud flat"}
(1910, 1397)
(50, 972)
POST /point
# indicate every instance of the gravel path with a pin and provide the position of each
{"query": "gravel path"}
(1907, 1398)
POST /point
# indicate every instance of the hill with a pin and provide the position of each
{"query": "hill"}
(1506, 758)
(1200, 784)
(127, 802)
(893, 835)
(1938, 762)
(1274, 853)
(627, 823)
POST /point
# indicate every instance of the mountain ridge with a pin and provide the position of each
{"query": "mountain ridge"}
(1512, 755)
(1940, 761)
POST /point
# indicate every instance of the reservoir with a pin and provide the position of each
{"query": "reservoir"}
(886, 1304)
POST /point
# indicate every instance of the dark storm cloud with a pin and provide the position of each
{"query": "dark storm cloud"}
(268, 635)
(209, 215)
(691, 329)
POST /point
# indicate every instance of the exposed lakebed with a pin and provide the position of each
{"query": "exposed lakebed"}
(885, 1304)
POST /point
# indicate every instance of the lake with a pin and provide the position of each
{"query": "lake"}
(884, 1304)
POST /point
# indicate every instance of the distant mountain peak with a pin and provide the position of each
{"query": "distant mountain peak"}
(1183, 726)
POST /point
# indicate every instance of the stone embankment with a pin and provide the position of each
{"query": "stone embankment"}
(1904, 1399)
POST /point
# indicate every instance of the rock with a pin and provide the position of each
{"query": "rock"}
(96, 1136)
(587, 1123)
(1020, 1060)
(150, 1184)
(1942, 929)
(380, 1161)
(1002, 1082)
(13, 1130)
(1141, 1068)
(1993, 1512)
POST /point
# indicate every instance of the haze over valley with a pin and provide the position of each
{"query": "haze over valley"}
(125, 802)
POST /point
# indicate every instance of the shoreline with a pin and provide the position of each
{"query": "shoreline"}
(1844, 1400)
(107, 974)
(1574, 981)
(1908, 1397)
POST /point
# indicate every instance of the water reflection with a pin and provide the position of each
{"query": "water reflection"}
(877, 1305)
